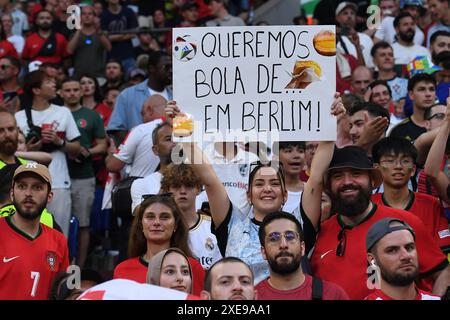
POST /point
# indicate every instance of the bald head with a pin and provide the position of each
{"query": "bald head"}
(153, 108)
(361, 78)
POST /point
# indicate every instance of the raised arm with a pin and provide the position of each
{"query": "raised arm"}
(433, 164)
(423, 144)
(312, 192)
(219, 201)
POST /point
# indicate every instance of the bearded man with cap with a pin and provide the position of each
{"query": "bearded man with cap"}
(349, 41)
(391, 251)
(340, 254)
(32, 253)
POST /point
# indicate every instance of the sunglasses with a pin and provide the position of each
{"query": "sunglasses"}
(5, 66)
(439, 116)
(162, 195)
(289, 236)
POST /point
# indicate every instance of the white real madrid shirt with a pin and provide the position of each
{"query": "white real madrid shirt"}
(203, 243)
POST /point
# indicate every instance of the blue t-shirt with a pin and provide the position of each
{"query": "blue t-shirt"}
(124, 20)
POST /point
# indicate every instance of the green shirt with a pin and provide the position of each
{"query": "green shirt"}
(90, 125)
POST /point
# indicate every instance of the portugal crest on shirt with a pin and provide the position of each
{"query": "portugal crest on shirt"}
(50, 257)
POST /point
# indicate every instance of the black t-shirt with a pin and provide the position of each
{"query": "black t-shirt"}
(407, 129)
(124, 20)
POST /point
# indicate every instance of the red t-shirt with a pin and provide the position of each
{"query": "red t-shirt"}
(34, 43)
(30, 265)
(430, 211)
(350, 270)
(421, 295)
(330, 291)
(136, 269)
(105, 112)
(7, 49)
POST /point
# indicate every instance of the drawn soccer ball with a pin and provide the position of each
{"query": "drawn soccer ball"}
(184, 49)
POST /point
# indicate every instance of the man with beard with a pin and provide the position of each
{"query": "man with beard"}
(113, 74)
(396, 159)
(9, 138)
(391, 250)
(162, 148)
(439, 42)
(339, 254)
(229, 279)
(282, 245)
(45, 45)
(32, 252)
(405, 49)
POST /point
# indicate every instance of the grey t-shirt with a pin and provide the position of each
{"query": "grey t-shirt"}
(89, 56)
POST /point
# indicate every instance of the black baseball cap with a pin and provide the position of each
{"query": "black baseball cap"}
(356, 158)
(383, 227)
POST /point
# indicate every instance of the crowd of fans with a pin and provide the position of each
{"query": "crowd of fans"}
(86, 161)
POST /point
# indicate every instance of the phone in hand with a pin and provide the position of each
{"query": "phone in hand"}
(9, 95)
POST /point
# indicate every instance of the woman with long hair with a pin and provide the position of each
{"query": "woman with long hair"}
(158, 226)
(90, 91)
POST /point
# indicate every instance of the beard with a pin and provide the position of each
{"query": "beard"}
(30, 215)
(284, 268)
(8, 147)
(407, 36)
(351, 207)
(45, 26)
(399, 279)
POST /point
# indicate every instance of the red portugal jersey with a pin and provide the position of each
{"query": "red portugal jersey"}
(350, 269)
(330, 291)
(29, 265)
(33, 46)
(7, 49)
(430, 211)
(421, 295)
(136, 269)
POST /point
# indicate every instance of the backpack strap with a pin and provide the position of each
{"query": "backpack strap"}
(317, 289)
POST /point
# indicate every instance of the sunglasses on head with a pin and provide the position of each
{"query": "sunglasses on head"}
(162, 195)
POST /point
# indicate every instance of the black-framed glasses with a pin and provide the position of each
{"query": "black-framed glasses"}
(439, 115)
(342, 238)
(149, 196)
(289, 236)
(391, 163)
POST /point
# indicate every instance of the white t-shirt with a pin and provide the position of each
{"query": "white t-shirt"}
(387, 33)
(404, 55)
(366, 45)
(233, 174)
(293, 201)
(136, 150)
(147, 185)
(203, 243)
(151, 184)
(18, 43)
(63, 123)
